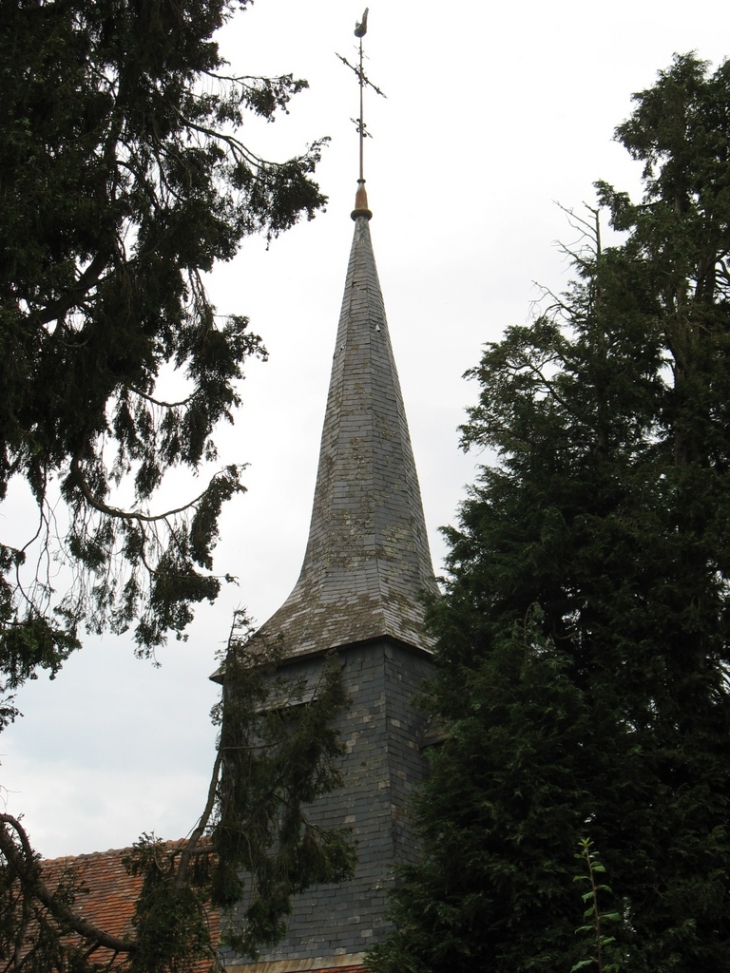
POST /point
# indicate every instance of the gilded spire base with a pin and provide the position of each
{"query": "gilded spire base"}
(361, 202)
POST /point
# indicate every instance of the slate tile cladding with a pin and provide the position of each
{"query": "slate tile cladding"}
(110, 897)
(382, 731)
(367, 560)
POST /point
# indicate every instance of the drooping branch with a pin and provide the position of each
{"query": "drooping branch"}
(190, 847)
(120, 514)
(160, 402)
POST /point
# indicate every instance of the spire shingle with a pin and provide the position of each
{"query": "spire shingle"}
(367, 559)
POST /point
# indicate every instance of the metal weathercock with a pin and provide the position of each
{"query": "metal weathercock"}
(361, 28)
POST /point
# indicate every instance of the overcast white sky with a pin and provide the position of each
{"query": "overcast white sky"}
(494, 112)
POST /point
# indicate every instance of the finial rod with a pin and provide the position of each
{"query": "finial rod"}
(360, 30)
(361, 199)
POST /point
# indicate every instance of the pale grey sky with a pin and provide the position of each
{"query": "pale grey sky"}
(494, 112)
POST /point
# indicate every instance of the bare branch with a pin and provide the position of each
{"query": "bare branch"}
(88, 279)
(164, 405)
(191, 845)
(120, 514)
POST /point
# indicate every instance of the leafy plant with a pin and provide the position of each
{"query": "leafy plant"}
(598, 919)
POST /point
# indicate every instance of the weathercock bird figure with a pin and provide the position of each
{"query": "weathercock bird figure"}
(361, 29)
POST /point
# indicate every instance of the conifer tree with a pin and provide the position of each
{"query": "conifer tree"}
(123, 181)
(584, 638)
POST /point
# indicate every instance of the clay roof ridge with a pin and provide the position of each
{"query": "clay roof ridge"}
(108, 853)
(87, 856)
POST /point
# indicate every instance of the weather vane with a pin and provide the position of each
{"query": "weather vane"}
(361, 29)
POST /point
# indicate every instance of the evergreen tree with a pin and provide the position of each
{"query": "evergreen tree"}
(123, 181)
(584, 638)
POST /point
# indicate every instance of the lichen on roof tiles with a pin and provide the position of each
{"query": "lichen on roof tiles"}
(367, 561)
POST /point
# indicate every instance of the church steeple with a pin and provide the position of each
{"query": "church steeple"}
(359, 591)
(367, 561)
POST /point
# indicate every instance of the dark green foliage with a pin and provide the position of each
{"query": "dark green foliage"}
(584, 639)
(172, 920)
(123, 181)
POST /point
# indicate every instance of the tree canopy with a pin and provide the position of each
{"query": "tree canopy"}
(123, 182)
(584, 639)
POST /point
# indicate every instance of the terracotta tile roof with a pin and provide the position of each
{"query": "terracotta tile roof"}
(109, 904)
(112, 893)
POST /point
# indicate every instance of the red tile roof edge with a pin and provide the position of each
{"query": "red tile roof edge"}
(110, 893)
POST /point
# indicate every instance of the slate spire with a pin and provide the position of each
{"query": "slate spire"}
(367, 560)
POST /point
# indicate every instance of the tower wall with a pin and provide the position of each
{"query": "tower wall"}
(382, 729)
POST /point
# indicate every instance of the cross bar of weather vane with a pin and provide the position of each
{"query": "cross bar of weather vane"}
(361, 29)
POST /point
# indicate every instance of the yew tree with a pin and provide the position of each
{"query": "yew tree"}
(123, 179)
(584, 638)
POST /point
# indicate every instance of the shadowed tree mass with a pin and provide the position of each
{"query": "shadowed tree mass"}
(122, 181)
(584, 638)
